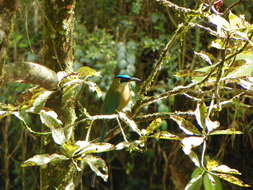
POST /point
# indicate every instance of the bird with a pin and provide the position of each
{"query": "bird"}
(117, 98)
(118, 95)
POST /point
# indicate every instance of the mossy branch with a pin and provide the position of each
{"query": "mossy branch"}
(31, 73)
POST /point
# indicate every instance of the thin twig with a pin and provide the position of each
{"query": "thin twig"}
(122, 131)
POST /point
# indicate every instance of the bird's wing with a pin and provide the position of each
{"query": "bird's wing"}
(111, 103)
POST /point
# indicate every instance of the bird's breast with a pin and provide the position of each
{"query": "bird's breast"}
(125, 97)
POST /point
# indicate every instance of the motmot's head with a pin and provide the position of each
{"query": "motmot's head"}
(126, 78)
(122, 81)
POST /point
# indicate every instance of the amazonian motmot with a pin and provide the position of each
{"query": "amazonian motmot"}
(117, 97)
(119, 94)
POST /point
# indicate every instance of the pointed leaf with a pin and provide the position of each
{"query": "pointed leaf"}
(58, 135)
(165, 135)
(226, 132)
(136, 145)
(232, 179)
(211, 125)
(201, 114)
(87, 72)
(153, 126)
(97, 165)
(40, 101)
(191, 142)
(43, 159)
(225, 169)
(50, 119)
(87, 147)
(204, 56)
(186, 125)
(196, 180)
(4, 114)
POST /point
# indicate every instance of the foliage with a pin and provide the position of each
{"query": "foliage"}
(216, 78)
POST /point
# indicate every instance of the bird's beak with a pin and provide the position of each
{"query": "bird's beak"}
(135, 79)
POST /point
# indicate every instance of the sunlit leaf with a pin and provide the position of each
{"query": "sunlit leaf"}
(58, 135)
(191, 142)
(97, 165)
(232, 179)
(237, 22)
(225, 169)
(186, 125)
(43, 159)
(211, 125)
(71, 90)
(165, 135)
(40, 101)
(87, 72)
(153, 126)
(212, 182)
(69, 149)
(226, 132)
(246, 83)
(220, 23)
(211, 163)
(4, 114)
(50, 119)
(87, 147)
(201, 114)
(196, 180)
(204, 56)
(131, 146)
(218, 44)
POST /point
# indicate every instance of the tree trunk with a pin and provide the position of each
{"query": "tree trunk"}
(7, 12)
(58, 56)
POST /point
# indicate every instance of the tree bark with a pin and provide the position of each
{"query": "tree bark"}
(7, 12)
(58, 56)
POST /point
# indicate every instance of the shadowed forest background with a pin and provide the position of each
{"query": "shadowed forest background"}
(188, 126)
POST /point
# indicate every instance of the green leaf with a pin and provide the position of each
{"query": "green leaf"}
(185, 125)
(71, 90)
(131, 146)
(50, 119)
(153, 126)
(232, 179)
(201, 114)
(165, 135)
(40, 101)
(211, 125)
(4, 114)
(191, 142)
(225, 169)
(43, 159)
(87, 72)
(196, 180)
(98, 165)
(58, 135)
(212, 182)
(86, 147)
(203, 55)
(237, 22)
(226, 132)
